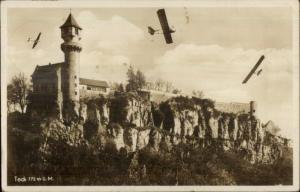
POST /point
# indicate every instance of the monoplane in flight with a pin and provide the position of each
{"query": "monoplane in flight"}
(253, 70)
(166, 30)
(35, 42)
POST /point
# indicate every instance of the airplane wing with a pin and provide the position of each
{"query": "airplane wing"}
(38, 37)
(253, 69)
(164, 25)
(34, 44)
(168, 38)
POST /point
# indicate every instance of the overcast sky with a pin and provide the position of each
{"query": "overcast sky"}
(213, 52)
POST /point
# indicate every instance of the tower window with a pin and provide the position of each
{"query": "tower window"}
(75, 92)
(76, 31)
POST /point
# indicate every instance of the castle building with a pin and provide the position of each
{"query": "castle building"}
(62, 80)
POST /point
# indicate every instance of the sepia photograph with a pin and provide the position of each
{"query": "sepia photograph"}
(150, 95)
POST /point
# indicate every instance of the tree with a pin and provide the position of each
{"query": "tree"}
(132, 83)
(159, 84)
(17, 91)
(135, 80)
(121, 88)
(169, 86)
(117, 86)
(176, 91)
(149, 86)
(198, 94)
(141, 79)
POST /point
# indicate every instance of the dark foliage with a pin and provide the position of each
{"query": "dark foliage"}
(168, 121)
(118, 112)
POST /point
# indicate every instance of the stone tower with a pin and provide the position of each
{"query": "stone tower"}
(253, 108)
(70, 33)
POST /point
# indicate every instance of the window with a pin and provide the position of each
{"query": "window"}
(75, 92)
(89, 88)
(76, 31)
(75, 85)
(75, 77)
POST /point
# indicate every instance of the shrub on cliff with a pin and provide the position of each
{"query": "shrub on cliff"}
(118, 109)
(168, 114)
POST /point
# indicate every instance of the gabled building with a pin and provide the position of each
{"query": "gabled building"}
(91, 87)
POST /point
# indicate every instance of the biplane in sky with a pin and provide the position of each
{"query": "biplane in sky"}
(35, 42)
(254, 69)
(166, 30)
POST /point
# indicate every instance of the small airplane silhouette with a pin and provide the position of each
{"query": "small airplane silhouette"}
(166, 30)
(254, 69)
(35, 42)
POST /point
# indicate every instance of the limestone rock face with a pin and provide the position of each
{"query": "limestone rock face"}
(233, 129)
(142, 138)
(188, 120)
(105, 113)
(202, 128)
(139, 113)
(83, 112)
(130, 139)
(213, 126)
(177, 125)
(174, 123)
(93, 114)
(117, 135)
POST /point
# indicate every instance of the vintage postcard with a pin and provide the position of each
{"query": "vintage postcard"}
(150, 95)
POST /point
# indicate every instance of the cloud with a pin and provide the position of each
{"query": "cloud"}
(107, 45)
(114, 35)
(24, 60)
(219, 72)
(97, 65)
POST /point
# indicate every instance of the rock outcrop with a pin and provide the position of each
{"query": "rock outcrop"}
(132, 123)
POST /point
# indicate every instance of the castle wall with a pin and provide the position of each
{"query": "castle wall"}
(233, 107)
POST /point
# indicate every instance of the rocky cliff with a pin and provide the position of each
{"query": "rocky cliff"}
(129, 122)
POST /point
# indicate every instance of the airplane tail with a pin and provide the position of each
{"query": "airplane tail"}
(171, 30)
(151, 30)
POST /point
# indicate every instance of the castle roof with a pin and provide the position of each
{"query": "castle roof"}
(92, 82)
(46, 69)
(71, 22)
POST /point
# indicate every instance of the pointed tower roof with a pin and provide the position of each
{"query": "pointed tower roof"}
(71, 22)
